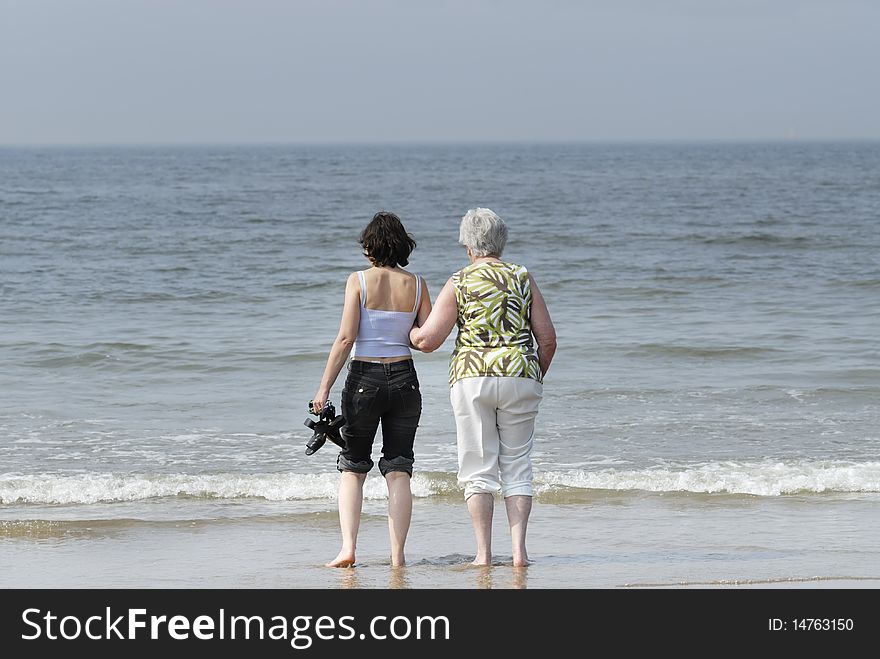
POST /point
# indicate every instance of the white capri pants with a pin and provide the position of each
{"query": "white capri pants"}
(495, 423)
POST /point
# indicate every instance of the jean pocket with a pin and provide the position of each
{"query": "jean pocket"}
(358, 399)
(410, 397)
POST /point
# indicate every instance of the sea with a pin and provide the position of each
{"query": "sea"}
(711, 418)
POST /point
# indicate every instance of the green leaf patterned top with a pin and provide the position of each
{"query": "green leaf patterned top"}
(494, 302)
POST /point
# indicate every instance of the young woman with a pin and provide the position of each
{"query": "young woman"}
(382, 304)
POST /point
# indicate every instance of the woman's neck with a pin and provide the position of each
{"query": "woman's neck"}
(483, 259)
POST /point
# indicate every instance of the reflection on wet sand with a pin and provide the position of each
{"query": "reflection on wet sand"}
(520, 577)
(484, 576)
(493, 576)
(397, 578)
(348, 577)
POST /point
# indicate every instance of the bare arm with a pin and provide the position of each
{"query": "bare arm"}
(348, 329)
(542, 328)
(437, 326)
(424, 306)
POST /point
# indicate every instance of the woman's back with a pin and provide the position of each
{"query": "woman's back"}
(389, 290)
(494, 332)
(389, 301)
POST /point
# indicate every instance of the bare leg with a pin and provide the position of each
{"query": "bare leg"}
(399, 513)
(351, 499)
(519, 507)
(481, 507)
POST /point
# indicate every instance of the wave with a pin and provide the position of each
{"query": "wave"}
(753, 478)
(640, 292)
(95, 526)
(745, 478)
(177, 356)
(108, 488)
(709, 352)
(758, 238)
(856, 283)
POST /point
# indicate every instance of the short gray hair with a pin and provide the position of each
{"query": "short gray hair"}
(483, 232)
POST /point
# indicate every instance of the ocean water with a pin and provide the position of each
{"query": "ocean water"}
(712, 415)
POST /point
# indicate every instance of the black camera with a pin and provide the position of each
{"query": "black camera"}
(326, 427)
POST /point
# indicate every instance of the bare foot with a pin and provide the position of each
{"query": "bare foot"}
(481, 562)
(521, 562)
(344, 559)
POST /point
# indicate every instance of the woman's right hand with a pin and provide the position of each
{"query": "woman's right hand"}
(319, 400)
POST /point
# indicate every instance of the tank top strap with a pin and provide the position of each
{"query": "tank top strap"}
(418, 294)
(363, 288)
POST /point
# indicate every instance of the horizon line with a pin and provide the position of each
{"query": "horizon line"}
(450, 142)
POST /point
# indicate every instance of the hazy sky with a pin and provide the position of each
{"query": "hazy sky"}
(137, 71)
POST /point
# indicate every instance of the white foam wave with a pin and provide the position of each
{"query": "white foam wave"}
(95, 488)
(758, 478)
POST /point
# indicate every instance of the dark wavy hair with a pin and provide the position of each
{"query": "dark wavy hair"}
(385, 241)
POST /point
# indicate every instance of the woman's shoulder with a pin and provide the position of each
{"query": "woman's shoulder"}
(410, 275)
(354, 279)
(509, 266)
(397, 277)
(516, 269)
(462, 272)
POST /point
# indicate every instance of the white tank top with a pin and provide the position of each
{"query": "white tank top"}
(385, 333)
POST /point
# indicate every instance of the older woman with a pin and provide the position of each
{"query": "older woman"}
(496, 375)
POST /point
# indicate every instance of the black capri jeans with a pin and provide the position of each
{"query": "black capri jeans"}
(380, 393)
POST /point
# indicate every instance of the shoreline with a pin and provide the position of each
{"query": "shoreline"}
(633, 543)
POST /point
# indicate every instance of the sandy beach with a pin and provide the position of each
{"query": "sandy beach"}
(630, 541)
